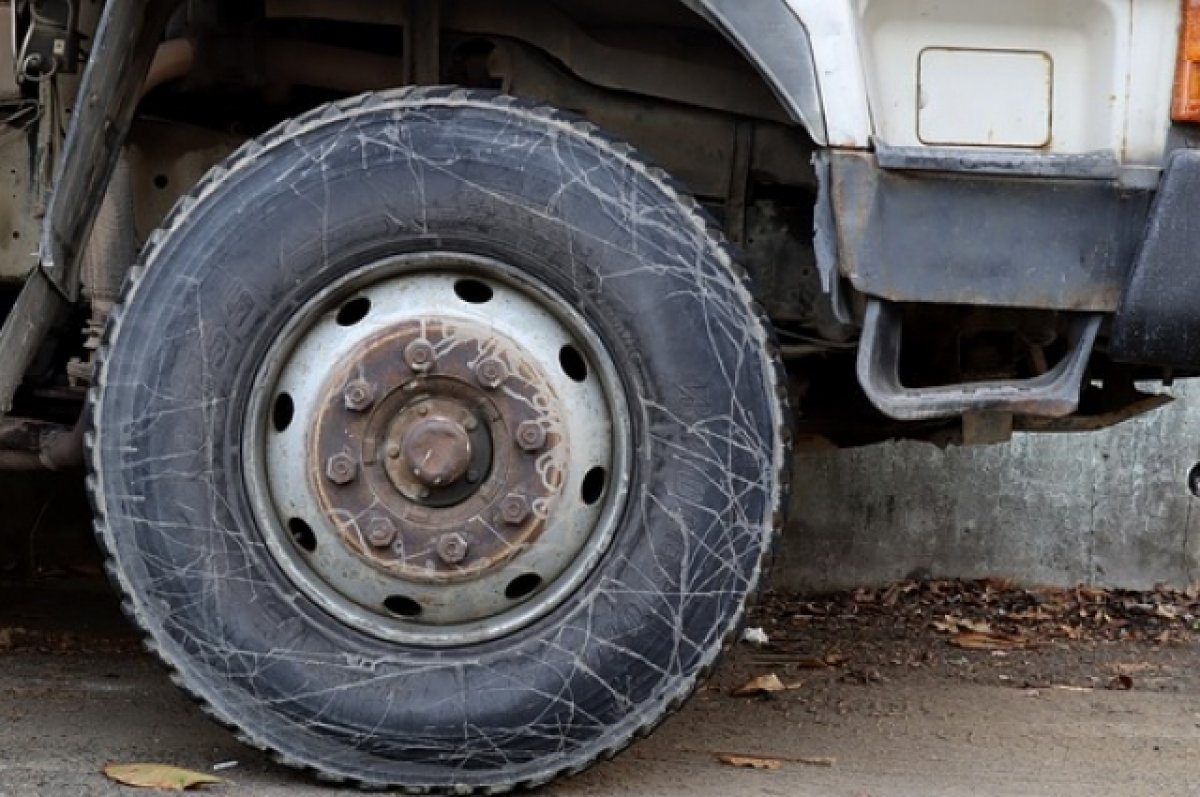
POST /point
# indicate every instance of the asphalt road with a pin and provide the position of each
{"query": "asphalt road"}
(76, 694)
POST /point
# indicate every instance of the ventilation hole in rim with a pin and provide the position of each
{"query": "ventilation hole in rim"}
(402, 606)
(302, 534)
(284, 412)
(353, 311)
(522, 586)
(474, 291)
(572, 363)
(593, 485)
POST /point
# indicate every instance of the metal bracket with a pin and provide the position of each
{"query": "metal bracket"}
(1054, 394)
(51, 44)
(122, 51)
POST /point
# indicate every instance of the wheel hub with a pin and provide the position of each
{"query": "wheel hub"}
(446, 454)
(437, 457)
(437, 451)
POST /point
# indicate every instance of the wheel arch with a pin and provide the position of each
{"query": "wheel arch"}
(777, 43)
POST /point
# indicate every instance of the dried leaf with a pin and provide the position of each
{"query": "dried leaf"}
(763, 684)
(1167, 611)
(748, 761)
(971, 640)
(813, 761)
(1071, 631)
(976, 627)
(820, 662)
(947, 624)
(158, 776)
(1036, 615)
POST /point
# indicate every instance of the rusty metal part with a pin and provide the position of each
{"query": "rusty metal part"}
(341, 469)
(381, 531)
(514, 509)
(490, 373)
(1144, 404)
(438, 450)
(442, 453)
(448, 424)
(452, 548)
(531, 436)
(419, 355)
(359, 395)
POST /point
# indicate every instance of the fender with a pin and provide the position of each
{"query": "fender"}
(807, 51)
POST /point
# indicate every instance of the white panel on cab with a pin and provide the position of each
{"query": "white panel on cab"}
(986, 98)
(970, 73)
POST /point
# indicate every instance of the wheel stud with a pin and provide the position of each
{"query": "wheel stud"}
(531, 436)
(514, 510)
(381, 532)
(452, 548)
(419, 355)
(491, 373)
(359, 395)
(341, 469)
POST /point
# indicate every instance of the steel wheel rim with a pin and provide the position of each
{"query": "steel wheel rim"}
(373, 589)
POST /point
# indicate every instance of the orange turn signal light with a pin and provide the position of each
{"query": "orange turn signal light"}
(1186, 107)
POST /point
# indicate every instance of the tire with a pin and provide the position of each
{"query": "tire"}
(560, 211)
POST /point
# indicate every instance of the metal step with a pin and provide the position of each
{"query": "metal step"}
(1054, 394)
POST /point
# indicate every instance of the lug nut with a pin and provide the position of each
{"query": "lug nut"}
(359, 395)
(419, 355)
(341, 469)
(491, 373)
(381, 532)
(514, 510)
(452, 548)
(394, 451)
(531, 436)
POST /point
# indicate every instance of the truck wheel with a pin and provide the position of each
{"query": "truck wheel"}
(438, 443)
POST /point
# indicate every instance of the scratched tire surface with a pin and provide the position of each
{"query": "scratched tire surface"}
(426, 169)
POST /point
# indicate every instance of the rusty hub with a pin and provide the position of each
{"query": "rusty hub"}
(434, 447)
(467, 473)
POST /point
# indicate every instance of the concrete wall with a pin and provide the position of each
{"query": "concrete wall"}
(1110, 508)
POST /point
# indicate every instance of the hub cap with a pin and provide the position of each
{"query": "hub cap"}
(439, 450)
